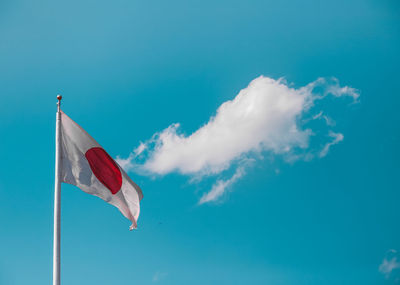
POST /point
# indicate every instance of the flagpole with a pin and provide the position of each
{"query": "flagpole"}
(57, 199)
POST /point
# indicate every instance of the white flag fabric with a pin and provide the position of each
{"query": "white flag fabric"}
(86, 165)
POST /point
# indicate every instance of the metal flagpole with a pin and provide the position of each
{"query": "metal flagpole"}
(57, 200)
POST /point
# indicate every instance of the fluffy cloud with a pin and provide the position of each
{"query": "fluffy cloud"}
(266, 117)
(390, 263)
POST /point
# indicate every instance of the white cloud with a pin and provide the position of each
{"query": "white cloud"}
(338, 91)
(220, 187)
(142, 147)
(332, 87)
(337, 137)
(390, 263)
(266, 116)
(262, 116)
(329, 121)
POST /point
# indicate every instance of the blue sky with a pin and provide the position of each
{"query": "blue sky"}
(128, 70)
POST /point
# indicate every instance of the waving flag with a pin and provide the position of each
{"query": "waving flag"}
(85, 164)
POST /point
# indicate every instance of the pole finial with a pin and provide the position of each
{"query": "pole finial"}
(59, 97)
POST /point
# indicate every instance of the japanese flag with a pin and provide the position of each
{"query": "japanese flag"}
(86, 165)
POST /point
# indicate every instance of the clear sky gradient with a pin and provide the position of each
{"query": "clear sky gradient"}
(130, 69)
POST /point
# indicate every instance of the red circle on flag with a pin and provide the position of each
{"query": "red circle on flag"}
(105, 169)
